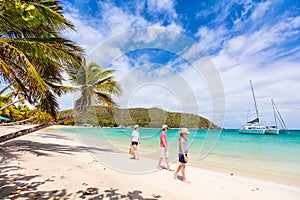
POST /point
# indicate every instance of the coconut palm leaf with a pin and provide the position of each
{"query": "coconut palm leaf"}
(96, 86)
(32, 17)
(33, 54)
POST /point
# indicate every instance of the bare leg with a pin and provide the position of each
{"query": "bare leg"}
(168, 166)
(183, 174)
(183, 171)
(178, 169)
(137, 155)
(159, 163)
(134, 151)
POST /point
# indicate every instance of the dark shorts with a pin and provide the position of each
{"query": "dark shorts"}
(181, 158)
(134, 143)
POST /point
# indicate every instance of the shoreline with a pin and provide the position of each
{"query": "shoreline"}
(275, 178)
(289, 181)
(47, 165)
(227, 170)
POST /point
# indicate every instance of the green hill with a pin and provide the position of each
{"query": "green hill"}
(145, 117)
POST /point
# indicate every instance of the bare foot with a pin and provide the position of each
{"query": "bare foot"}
(160, 168)
(175, 176)
(186, 181)
(172, 170)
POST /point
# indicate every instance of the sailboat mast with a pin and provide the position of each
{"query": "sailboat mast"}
(274, 113)
(256, 110)
(280, 118)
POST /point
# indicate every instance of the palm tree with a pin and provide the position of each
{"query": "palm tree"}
(33, 54)
(96, 86)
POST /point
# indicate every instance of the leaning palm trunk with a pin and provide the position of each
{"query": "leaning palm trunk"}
(18, 122)
(19, 133)
(11, 103)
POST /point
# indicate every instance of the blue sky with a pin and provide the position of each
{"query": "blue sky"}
(257, 40)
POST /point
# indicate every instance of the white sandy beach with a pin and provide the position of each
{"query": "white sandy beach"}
(44, 165)
(9, 129)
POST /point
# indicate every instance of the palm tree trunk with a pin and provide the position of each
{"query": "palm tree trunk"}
(19, 133)
(18, 122)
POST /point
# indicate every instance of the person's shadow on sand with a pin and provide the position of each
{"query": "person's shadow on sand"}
(179, 177)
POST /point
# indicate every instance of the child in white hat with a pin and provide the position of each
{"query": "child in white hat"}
(183, 153)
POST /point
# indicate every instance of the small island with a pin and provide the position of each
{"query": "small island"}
(145, 117)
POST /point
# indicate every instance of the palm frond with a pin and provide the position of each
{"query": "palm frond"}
(49, 103)
(19, 58)
(44, 16)
(105, 99)
(96, 86)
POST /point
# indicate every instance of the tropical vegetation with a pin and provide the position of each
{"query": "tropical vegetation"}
(21, 112)
(33, 53)
(34, 56)
(145, 117)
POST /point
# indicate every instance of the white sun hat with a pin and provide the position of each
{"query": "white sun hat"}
(165, 126)
(184, 130)
(136, 126)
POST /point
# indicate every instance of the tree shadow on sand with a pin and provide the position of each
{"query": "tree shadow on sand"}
(16, 182)
(18, 186)
(10, 150)
(21, 186)
(96, 195)
(15, 185)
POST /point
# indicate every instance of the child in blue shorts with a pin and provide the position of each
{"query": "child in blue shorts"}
(183, 153)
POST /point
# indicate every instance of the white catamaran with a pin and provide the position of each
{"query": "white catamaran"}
(253, 126)
(275, 130)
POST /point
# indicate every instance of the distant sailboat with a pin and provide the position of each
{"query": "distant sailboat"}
(275, 130)
(253, 126)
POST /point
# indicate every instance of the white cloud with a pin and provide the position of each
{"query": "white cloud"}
(175, 27)
(163, 7)
(117, 21)
(160, 86)
(260, 10)
(248, 5)
(86, 35)
(211, 39)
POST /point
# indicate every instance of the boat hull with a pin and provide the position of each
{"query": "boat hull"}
(282, 131)
(272, 131)
(252, 131)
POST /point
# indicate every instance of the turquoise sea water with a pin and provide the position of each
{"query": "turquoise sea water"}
(269, 154)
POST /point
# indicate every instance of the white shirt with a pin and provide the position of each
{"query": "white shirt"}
(135, 136)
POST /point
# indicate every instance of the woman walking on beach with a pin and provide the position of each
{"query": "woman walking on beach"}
(135, 141)
(183, 151)
(164, 152)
